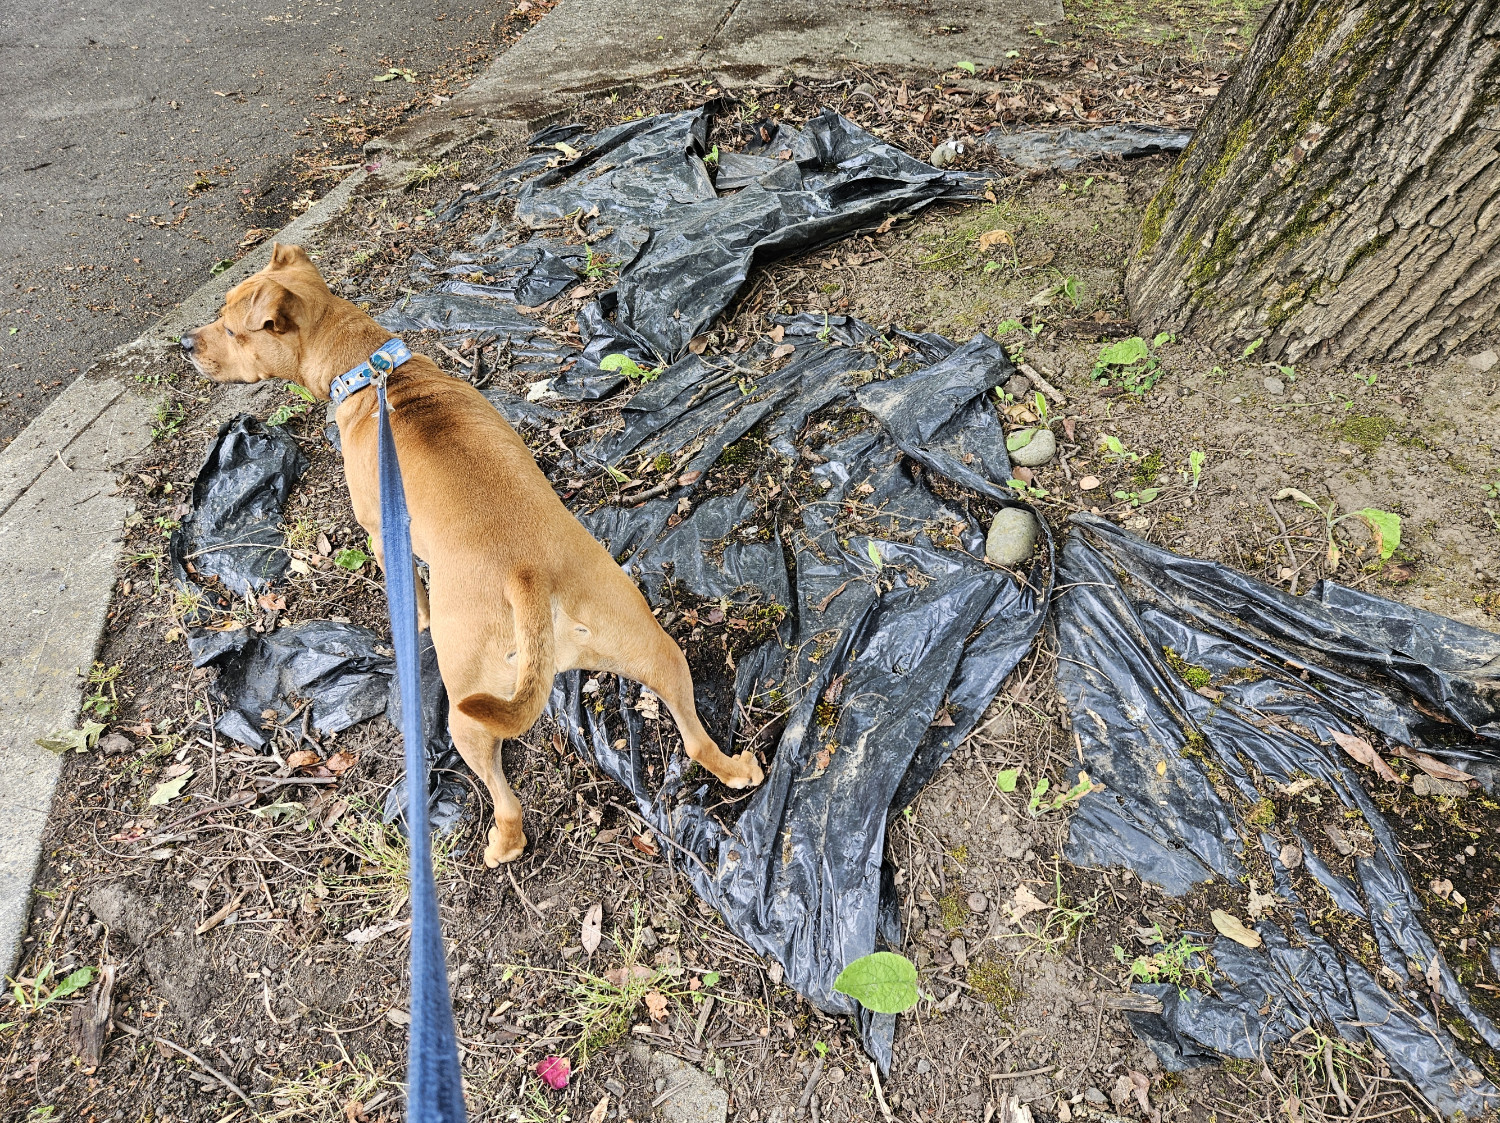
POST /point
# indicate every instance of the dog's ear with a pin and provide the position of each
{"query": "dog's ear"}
(285, 256)
(272, 307)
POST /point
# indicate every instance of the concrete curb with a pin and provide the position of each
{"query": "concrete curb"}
(60, 538)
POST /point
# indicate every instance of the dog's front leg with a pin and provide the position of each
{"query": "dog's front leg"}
(372, 528)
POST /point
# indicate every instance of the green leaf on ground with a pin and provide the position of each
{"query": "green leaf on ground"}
(1386, 528)
(168, 790)
(1006, 779)
(82, 739)
(1124, 352)
(1019, 439)
(883, 982)
(73, 983)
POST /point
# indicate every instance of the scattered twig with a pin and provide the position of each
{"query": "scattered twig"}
(812, 1084)
(223, 914)
(1286, 540)
(208, 1068)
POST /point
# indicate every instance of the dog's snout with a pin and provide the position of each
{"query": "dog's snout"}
(188, 343)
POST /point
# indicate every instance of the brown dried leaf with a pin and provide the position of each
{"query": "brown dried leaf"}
(592, 933)
(646, 845)
(341, 761)
(656, 1003)
(1364, 752)
(698, 344)
(1227, 924)
(302, 758)
(1436, 768)
(782, 351)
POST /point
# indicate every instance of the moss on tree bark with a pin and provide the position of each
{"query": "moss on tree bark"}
(1341, 196)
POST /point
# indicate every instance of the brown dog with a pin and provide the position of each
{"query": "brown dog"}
(520, 590)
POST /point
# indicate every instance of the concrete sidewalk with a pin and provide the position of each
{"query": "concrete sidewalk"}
(589, 47)
(60, 519)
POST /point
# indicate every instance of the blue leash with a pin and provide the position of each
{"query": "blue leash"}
(434, 1086)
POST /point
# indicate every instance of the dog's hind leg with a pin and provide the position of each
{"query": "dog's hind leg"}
(480, 749)
(655, 661)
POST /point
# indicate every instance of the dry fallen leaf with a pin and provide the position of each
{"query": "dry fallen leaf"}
(303, 758)
(992, 238)
(601, 1109)
(656, 1003)
(1025, 903)
(646, 845)
(593, 923)
(1089, 483)
(1228, 925)
(782, 351)
(1364, 752)
(1141, 1084)
(698, 344)
(341, 761)
(1436, 768)
(777, 334)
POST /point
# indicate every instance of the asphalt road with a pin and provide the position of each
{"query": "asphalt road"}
(145, 138)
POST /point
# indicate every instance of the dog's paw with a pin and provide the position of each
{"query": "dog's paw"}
(501, 851)
(746, 774)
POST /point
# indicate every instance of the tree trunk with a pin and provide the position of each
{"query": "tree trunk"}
(1340, 198)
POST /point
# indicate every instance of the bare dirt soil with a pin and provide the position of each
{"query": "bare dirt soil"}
(253, 923)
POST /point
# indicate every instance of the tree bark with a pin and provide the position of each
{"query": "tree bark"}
(1340, 198)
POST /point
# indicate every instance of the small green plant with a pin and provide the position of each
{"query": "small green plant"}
(1130, 364)
(1039, 805)
(303, 401)
(34, 994)
(629, 368)
(395, 72)
(169, 418)
(1253, 347)
(1116, 452)
(223, 265)
(1194, 473)
(882, 982)
(1138, 498)
(1181, 963)
(966, 67)
(1024, 490)
(596, 266)
(1369, 379)
(1492, 489)
(103, 701)
(820, 1048)
(1006, 778)
(1385, 527)
(351, 558)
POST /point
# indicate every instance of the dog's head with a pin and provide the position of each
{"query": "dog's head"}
(262, 330)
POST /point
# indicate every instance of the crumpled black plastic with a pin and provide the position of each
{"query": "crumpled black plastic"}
(346, 675)
(233, 531)
(684, 246)
(1371, 662)
(1066, 149)
(929, 628)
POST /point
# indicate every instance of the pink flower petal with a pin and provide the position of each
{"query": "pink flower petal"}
(555, 1071)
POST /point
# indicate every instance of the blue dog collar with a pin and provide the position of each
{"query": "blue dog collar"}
(387, 359)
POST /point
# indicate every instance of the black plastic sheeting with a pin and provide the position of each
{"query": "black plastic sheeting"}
(1287, 672)
(233, 531)
(1066, 149)
(684, 245)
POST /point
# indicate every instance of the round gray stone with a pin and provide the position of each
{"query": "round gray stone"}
(1274, 385)
(1040, 450)
(1012, 536)
(1018, 386)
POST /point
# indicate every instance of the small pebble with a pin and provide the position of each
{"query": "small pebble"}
(1012, 537)
(1291, 856)
(1018, 386)
(1484, 360)
(978, 902)
(944, 154)
(1423, 784)
(960, 952)
(1274, 385)
(1095, 1096)
(923, 1066)
(1038, 451)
